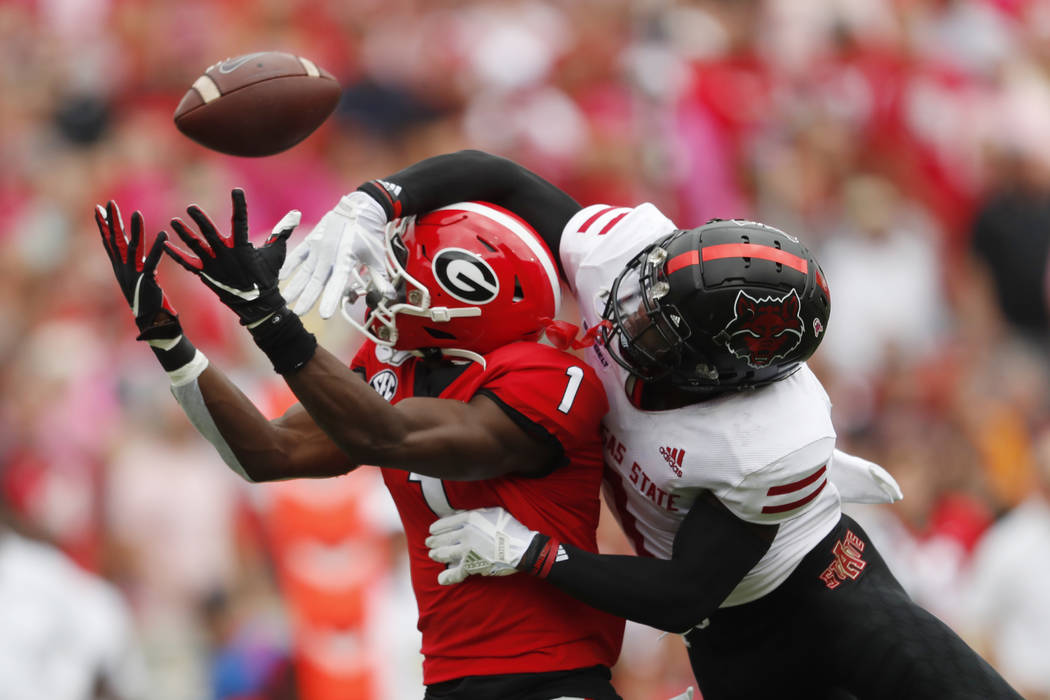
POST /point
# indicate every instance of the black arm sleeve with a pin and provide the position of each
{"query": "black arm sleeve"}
(713, 550)
(476, 175)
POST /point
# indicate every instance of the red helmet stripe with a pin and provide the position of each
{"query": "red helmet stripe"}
(686, 259)
(752, 250)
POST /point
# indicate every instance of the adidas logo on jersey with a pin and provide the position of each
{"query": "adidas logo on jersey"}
(674, 457)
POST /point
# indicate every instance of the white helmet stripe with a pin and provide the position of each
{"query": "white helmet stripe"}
(530, 238)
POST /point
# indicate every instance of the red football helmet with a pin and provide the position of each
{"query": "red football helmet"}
(470, 276)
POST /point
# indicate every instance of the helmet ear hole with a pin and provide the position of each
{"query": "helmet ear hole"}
(519, 293)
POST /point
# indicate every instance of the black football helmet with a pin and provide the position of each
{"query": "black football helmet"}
(730, 305)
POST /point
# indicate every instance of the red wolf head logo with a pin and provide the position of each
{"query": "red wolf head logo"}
(763, 329)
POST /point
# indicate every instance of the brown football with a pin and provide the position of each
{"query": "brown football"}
(257, 104)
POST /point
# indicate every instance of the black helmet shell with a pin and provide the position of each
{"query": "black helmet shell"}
(735, 303)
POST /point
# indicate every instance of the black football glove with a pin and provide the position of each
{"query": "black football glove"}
(245, 279)
(242, 276)
(136, 274)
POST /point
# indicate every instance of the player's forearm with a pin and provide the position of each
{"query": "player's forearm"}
(357, 419)
(251, 445)
(712, 552)
(246, 440)
(660, 593)
(475, 175)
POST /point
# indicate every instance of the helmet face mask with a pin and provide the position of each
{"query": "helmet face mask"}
(452, 268)
(727, 306)
(646, 343)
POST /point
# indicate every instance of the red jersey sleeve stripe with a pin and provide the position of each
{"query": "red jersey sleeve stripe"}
(796, 485)
(597, 215)
(783, 508)
(752, 250)
(612, 222)
(684, 260)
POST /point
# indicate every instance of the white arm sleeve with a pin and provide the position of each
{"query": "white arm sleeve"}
(187, 392)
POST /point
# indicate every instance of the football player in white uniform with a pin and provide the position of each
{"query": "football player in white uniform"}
(719, 445)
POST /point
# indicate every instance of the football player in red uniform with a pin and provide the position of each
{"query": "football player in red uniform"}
(450, 394)
(719, 445)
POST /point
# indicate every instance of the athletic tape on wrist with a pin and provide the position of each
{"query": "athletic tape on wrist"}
(189, 371)
(188, 394)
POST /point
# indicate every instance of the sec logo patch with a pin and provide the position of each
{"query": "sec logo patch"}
(384, 383)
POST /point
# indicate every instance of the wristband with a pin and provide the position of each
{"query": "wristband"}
(284, 340)
(172, 348)
(540, 556)
(386, 194)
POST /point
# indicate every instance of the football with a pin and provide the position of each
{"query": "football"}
(257, 104)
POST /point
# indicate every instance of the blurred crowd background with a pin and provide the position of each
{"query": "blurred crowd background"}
(906, 141)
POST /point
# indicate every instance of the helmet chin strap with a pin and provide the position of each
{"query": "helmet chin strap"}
(463, 354)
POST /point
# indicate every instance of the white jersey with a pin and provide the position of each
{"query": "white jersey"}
(765, 454)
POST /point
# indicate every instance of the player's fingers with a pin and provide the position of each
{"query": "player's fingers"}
(285, 226)
(296, 286)
(103, 230)
(149, 266)
(184, 258)
(446, 555)
(137, 243)
(382, 283)
(239, 220)
(333, 293)
(312, 291)
(449, 522)
(208, 232)
(116, 229)
(452, 576)
(291, 261)
(193, 240)
(443, 539)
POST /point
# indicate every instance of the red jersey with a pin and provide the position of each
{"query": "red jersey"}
(510, 624)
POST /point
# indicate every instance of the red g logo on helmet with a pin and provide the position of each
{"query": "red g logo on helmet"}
(763, 330)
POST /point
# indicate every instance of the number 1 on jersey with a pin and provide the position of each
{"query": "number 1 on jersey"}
(575, 379)
(434, 494)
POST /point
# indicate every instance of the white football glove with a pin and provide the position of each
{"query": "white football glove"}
(342, 254)
(483, 542)
(861, 481)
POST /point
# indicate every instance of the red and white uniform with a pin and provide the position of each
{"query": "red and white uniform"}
(765, 454)
(512, 624)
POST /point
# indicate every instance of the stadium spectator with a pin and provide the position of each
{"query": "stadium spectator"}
(1009, 610)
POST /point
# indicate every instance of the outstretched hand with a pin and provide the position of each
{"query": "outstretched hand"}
(136, 271)
(242, 276)
(343, 256)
